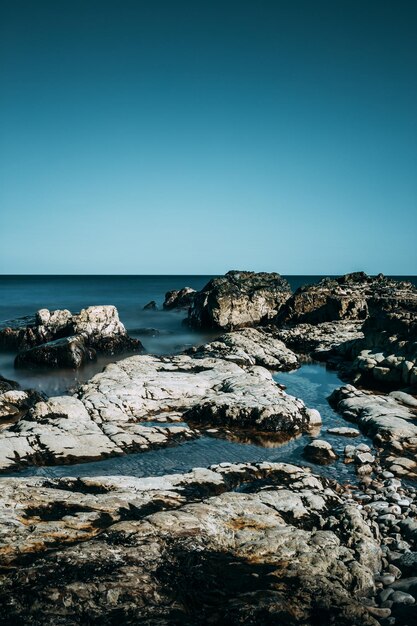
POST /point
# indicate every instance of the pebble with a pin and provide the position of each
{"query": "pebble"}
(400, 597)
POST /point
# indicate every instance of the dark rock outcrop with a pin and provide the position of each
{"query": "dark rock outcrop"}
(151, 306)
(179, 298)
(69, 352)
(239, 299)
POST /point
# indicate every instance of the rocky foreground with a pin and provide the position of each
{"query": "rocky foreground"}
(231, 544)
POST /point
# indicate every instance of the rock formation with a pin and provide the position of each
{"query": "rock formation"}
(179, 299)
(238, 299)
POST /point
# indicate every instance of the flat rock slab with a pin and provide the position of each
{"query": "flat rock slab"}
(111, 413)
(230, 544)
(250, 346)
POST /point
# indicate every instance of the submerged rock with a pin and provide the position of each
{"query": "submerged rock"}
(179, 298)
(250, 346)
(186, 549)
(238, 299)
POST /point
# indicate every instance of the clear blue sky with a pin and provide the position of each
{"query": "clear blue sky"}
(203, 135)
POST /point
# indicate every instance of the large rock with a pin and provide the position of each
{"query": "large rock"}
(250, 346)
(321, 340)
(239, 299)
(343, 298)
(60, 338)
(179, 299)
(241, 544)
(69, 352)
(116, 411)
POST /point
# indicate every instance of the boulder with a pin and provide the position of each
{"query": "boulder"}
(320, 451)
(69, 352)
(241, 544)
(238, 299)
(179, 299)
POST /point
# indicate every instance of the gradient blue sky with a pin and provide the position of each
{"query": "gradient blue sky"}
(199, 136)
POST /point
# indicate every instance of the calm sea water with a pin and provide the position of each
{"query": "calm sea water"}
(24, 295)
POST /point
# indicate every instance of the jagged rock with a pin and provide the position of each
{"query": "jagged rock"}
(320, 451)
(70, 352)
(63, 339)
(390, 424)
(250, 346)
(321, 340)
(346, 297)
(179, 298)
(185, 549)
(151, 306)
(238, 299)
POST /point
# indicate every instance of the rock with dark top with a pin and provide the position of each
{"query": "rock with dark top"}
(7, 385)
(151, 306)
(239, 299)
(69, 352)
(62, 339)
(179, 299)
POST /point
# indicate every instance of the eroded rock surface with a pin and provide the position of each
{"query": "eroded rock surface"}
(135, 404)
(250, 346)
(321, 340)
(239, 299)
(391, 424)
(186, 549)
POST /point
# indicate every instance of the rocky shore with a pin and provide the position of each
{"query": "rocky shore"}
(241, 543)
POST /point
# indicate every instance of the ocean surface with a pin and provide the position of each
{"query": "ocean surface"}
(24, 295)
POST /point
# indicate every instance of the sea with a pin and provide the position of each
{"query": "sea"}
(162, 332)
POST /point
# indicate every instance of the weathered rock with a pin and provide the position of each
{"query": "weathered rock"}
(346, 297)
(321, 340)
(112, 411)
(238, 299)
(391, 425)
(179, 298)
(69, 352)
(249, 346)
(343, 431)
(320, 451)
(7, 385)
(94, 329)
(14, 403)
(185, 549)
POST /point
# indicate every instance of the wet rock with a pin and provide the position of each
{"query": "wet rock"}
(69, 352)
(238, 299)
(390, 424)
(179, 298)
(249, 346)
(320, 451)
(151, 306)
(111, 412)
(7, 385)
(343, 431)
(185, 549)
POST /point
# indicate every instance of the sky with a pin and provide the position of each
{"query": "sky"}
(194, 137)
